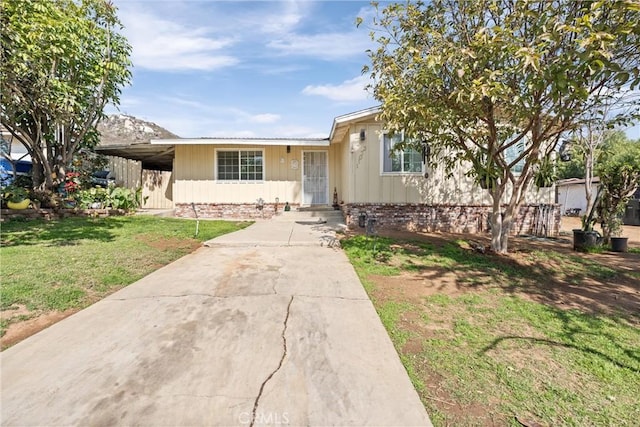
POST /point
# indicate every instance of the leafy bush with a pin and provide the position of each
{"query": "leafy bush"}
(111, 197)
(87, 198)
(124, 198)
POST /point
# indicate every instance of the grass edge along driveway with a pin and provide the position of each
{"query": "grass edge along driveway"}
(66, 265)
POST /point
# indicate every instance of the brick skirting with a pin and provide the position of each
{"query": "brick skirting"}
(531, 219)
(228, 210)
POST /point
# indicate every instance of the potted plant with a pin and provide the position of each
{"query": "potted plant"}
(618, 243)
(16, 197)
(586, 238)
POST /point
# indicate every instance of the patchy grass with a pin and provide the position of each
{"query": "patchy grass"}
(538, 336)
(71, 263)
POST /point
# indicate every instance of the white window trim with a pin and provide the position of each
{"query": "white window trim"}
(382, 172)
(239, 181)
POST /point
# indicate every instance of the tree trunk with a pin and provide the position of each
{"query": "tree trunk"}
(498, 239)
(37, 174)
(588, 179)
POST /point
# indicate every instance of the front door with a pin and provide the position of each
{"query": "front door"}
(315, 178)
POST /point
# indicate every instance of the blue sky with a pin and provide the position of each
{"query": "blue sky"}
(247, 68)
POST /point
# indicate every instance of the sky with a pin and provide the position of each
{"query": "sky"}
(245, 68)
(238, 68)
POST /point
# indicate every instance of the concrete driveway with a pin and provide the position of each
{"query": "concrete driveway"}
(266, 326)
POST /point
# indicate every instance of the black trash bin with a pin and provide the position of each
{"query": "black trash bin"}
(632, 213)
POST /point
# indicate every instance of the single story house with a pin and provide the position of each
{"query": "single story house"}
(353, 169)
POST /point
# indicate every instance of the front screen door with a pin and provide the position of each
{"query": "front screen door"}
(315, 178)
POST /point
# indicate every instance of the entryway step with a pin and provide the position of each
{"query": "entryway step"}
(310, 215)
(316, 208)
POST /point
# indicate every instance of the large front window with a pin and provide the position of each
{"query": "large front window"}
(240, 165)
(395, 161)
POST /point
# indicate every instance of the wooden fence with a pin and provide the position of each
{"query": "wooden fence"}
(157, 186)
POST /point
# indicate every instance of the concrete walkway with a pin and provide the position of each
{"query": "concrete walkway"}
(266, 326)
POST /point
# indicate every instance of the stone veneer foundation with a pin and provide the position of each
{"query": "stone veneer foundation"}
(531, 219)
(229, 210)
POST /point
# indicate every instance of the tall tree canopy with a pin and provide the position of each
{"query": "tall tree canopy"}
(478, 79)
(62, 62)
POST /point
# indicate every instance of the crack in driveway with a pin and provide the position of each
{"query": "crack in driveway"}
(284, 354)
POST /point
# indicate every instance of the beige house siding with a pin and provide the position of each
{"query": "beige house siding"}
(195, 175)
(368, 184)
(157, 189)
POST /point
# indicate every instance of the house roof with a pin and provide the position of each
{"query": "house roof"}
(576, 181)
(341, 123)
(159, 153)
(243, 141)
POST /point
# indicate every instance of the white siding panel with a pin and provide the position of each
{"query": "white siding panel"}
(368, 185)
(195, 175)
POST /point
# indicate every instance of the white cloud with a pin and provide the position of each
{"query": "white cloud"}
(349, 90)
(284, 19)
(264, 118)
(159, 44)
(328, 46)
(214, 120)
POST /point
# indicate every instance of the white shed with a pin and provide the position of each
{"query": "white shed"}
(570, 194)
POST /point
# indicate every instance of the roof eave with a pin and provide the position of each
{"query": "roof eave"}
(351, 117)
(248, 141)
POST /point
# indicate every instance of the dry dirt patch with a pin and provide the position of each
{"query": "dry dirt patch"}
(548, 280)
(33, 323)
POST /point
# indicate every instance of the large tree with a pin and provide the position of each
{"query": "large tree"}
(62, 62)
(478, 79)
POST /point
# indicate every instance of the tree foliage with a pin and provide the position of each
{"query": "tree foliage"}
(476, 79)
(62, 62)
(619, 171)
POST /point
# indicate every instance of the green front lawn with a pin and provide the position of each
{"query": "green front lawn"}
(539, 336)
(74, 262)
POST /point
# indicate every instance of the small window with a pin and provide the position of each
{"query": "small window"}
(406, 161)
(240, 165)
(512, 153)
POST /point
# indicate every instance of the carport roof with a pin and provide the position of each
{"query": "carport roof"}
(156, 157)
